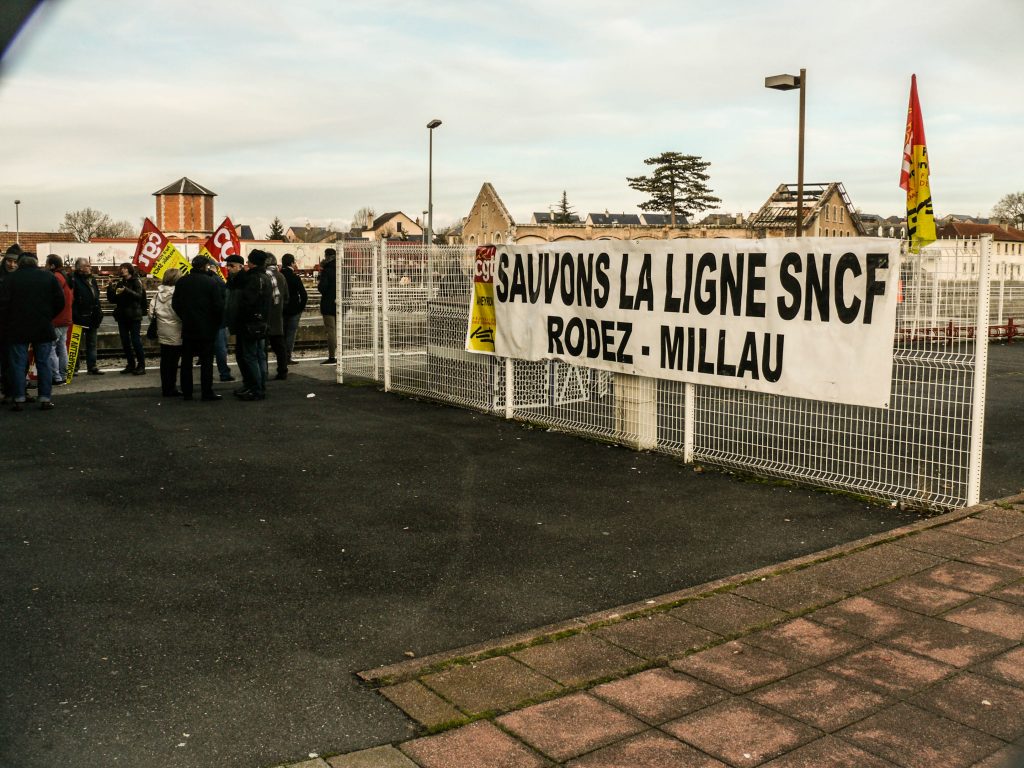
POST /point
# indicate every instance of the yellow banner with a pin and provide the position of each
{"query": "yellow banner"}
(920, 215)
(482, 322)
(73, 347)
(170, 258)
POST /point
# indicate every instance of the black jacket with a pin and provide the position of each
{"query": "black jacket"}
(199, 301)
(327, 284)
(252, 293)
(129, 299)
(297, 296)
(85, 306)
(29, 300)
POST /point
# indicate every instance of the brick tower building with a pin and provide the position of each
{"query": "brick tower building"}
(184, 207)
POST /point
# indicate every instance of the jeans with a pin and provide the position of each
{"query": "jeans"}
(89, 342)
(131, 342)
(19, 364)
(291, 327)
(251, 355)
(220, 351)
(59, 354)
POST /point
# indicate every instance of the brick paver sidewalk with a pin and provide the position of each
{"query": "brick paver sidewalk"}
(903, 649)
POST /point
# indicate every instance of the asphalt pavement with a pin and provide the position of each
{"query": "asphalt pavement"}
(195, 584)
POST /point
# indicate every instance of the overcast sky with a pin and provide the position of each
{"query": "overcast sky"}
(312, 109)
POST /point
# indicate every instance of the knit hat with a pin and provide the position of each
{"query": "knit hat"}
(257, 258)
(234, 258)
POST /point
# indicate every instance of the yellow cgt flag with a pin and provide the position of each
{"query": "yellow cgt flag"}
(914, 176)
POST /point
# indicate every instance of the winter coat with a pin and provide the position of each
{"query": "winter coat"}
(280, 299)
(85, 307)
(129, 299)
(199, 302)
(327, 284)
(297, 296)
(31, 297)
(168, 324)
(63, 318)
(254, 293)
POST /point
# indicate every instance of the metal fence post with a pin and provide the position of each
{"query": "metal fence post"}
(510, 386)
(980, 373)
(375, 310)
(384, 313)
(689, 420)
(340, 273)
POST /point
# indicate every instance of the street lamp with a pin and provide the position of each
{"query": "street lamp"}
(788, 83)
(430, 182)
(17, 223)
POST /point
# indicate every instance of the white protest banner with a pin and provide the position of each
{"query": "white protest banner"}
(803, 317)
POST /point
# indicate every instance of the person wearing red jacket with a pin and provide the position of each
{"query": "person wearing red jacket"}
(61, 323)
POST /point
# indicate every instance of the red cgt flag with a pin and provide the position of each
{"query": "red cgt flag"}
(221, 244)
(151, 246)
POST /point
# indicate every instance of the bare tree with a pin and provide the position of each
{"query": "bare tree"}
(1011, 208)
(363, 218)
(88, 223)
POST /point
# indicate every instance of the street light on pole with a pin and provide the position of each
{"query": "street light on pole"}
(17, 223)
(430, 182)
(789, 83)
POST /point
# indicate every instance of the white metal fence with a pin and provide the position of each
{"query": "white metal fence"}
(403, 313)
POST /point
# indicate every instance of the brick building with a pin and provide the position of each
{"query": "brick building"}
(184, 207)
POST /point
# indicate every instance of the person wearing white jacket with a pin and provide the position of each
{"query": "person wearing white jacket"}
(168, 333)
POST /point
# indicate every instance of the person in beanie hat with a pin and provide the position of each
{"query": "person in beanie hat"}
(254, 289)
(10, 263)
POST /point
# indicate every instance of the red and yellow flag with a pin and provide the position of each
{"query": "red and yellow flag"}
(914, 176)
(221, 244)
(155, 254)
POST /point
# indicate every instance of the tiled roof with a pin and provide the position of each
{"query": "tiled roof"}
(965, 229)
(546, 217)
(610, 219)
(185, 186)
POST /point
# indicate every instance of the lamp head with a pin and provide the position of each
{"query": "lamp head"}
(433, 124)
(782, 82)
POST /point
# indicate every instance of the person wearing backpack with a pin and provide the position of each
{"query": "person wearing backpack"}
(128, 296)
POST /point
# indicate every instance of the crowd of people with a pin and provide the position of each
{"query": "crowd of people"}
(190, 317)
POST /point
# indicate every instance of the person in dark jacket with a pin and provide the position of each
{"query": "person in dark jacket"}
(199, 302)
(253, 289)
(10, 264)
(128, 296)
(31, 297)
(86, 311)
(275, 336)
(297, 299)
(327, 284)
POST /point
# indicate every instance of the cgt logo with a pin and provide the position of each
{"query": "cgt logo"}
(151, 249)
(483, 269)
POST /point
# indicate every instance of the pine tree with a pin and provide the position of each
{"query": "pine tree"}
(678, 185)
(563, 211)
(276, 230)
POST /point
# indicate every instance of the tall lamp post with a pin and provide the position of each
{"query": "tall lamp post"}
(789, 83)
(430, 182)
(17, 223)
